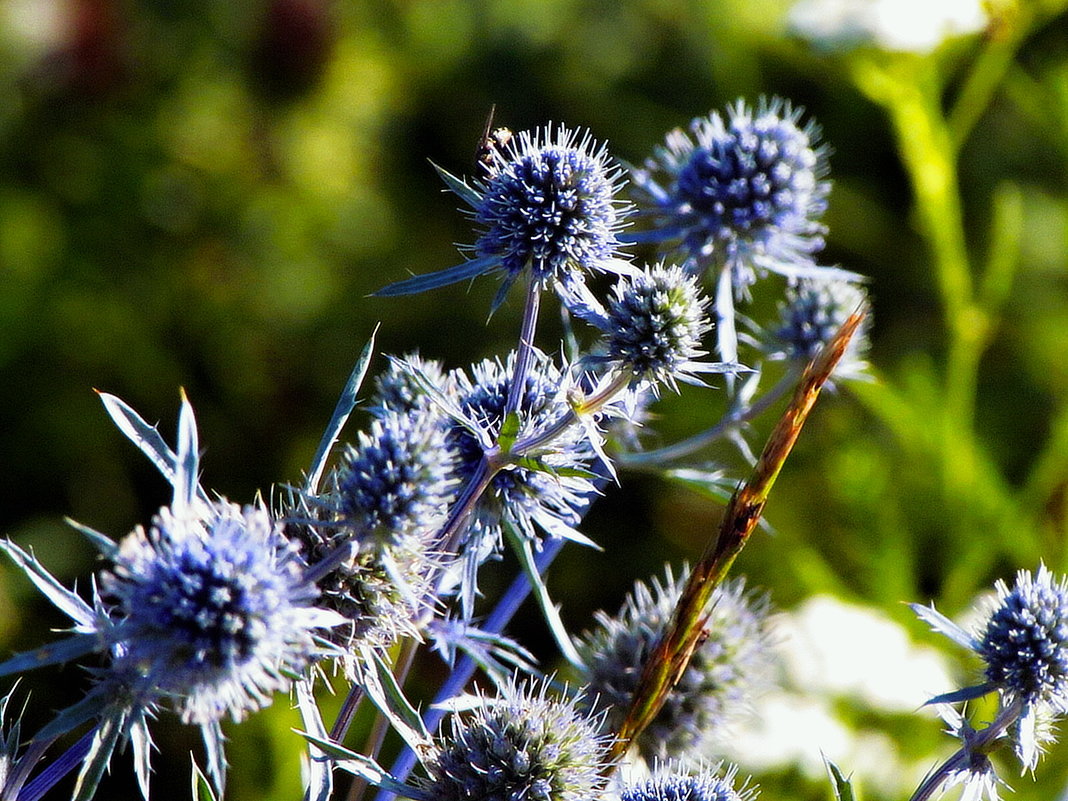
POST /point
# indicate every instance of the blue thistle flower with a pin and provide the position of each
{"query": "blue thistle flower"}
(729, 666)
(520, 746)
(214, 612)
(388, 497)
(550, 204)
(668, 784)
(547, 204)
(397, 390)
(1024, 646)
(398, 478)
(1025, 641)
(654, 324)
(746, 193)
(743, 197)
(551, 495)
(210, 611)
(811, 315)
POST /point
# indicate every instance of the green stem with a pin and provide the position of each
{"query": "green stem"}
(380, 728)
(911, 93)
(988, 71)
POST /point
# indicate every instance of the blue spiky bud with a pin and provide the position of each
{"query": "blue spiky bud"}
(668, 783)
(747, 192)
(812, 313)
(397, 479)
(525, 497)
(655, 322)
(1025, 641)
(549, 203)
(397, 389)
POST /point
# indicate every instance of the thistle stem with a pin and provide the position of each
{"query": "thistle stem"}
(381, 725)
(13, 788)
(981, 742)
(732, 421)
(590, 405)
(526, 347)
(51, 775)
(346, 713)
(465, 504)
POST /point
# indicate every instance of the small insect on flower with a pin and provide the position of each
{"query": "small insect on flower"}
(492, 141)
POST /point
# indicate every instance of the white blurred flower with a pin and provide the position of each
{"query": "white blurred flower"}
(845, 650)
(917, 26)
(831, 651)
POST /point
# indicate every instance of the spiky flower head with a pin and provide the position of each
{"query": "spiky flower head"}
(669, 783)
(745, 193)
(397, 479)
(549, 204)
(727, 668)
(522, 744)
(397, 388)
(551, 499)
(385, 501)
(1024, 643)
(209, 611)
(811, 315)
(214, 611)
(655, 322)
(546, 205)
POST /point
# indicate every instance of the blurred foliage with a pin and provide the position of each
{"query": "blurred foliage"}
(202, 195)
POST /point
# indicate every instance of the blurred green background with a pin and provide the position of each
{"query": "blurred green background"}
(202, 195)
